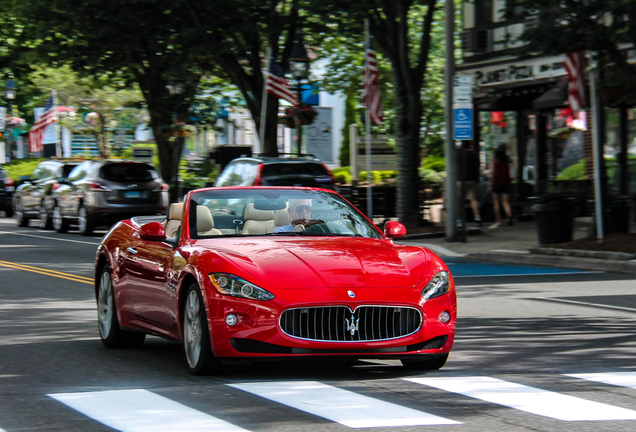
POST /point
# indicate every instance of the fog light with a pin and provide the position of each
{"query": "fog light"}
(444, 317)
(231, 320)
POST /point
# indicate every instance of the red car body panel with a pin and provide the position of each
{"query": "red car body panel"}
(150, 276)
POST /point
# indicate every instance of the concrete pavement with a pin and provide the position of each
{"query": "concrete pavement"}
(519, 244)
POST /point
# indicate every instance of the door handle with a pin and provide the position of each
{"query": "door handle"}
(132, 250)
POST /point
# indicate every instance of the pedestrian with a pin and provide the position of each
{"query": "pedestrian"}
(500, 185)
(468, 172)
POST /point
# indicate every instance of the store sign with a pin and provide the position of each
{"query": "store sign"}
(320, 135)
(545, 67)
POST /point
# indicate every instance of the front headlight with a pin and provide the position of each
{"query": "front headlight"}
(437, 286)
(231, 285)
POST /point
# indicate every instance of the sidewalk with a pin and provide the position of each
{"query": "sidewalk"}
(519, 244)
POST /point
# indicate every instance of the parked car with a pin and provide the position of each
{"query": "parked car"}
(101, 192)
(334, 285)
(7, 187)
(33, 198)
(277, 171)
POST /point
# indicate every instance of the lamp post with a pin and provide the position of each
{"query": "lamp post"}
(176, 87)
(299, 64)
(10, 93)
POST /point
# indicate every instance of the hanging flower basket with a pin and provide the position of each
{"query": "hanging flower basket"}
(305, 114)
(289, 122)
(177, 130)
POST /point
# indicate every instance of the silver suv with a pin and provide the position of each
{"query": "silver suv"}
(100, 193)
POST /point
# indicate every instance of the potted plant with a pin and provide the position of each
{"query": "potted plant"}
(288, 119)
(305, 113)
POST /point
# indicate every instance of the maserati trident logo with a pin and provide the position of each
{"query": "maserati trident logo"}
(352, 326)
(351, 294)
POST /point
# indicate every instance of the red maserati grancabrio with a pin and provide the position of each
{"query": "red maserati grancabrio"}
(269, 272)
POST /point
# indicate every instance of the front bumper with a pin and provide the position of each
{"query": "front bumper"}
(258, 333)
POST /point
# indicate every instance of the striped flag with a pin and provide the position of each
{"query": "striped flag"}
(36, 134)
(371, 92)
(574, 65)
(277, 85)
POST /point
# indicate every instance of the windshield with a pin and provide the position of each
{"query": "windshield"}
(275, 212)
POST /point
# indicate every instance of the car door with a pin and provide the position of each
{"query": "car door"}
(150, 274)
(72, 195)
(27, 201)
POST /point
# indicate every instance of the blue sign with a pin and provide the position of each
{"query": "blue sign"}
(463, 124)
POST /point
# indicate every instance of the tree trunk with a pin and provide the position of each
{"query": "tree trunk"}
(408, 118)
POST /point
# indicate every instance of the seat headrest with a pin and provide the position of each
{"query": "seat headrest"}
(205, 221)
(281, 217)
(175, 212)
(260, 215)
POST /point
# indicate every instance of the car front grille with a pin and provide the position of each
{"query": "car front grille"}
(340, 324)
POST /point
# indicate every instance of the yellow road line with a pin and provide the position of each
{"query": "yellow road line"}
(61, 275)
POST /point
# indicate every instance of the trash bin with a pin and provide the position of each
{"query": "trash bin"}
(617, 214)
(555, 220)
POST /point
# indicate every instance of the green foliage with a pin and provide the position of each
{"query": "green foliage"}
(432, 177)
(343, 175)
(435, 163)
(21, 167)
(573, 172)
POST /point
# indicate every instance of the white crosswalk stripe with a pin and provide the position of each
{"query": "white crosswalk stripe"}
(529, 399)
(342, 406)
(142, 411)
(621, 379)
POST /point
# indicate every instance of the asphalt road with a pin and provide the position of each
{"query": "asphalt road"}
(528, 340)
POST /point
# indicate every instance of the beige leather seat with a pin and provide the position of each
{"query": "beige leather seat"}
(173, 222)
(281, 218)
(205, 222)
(256, 221)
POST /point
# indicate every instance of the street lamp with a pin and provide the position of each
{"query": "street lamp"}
(10, 91)
(299, 64)
(176, 87)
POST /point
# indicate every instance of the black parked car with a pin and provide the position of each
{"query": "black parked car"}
(305, 171)
(33, 198)
(100, 193)
(6, 193)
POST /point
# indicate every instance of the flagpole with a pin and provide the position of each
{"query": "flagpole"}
(367, 129)
(58, 144)
(264, 102)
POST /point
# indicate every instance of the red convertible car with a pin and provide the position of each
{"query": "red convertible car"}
(254, 273)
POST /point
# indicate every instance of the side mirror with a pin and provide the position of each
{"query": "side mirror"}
(394, 230)
(152, 231)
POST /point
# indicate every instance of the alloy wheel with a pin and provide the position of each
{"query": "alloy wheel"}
(192, 329)
(57, 218)
(44, 217)
(105, 305)
(81, 219)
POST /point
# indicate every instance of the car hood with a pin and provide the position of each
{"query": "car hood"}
(323, 262)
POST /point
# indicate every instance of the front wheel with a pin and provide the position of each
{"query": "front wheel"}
(59, 223)
(196, 338)
(425, 364)
(110, 333)
(84, 222)
(46, 222)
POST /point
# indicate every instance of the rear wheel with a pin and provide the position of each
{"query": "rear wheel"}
(196, 338)
(8, 212)
(59, 223)
(84, 222)
(110, 333)
(46, 222)
(21, 219)
(425, 365)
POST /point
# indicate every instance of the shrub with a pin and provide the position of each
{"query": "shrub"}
(342, 177)
(21, 167)
(573, 172)
(435, 163)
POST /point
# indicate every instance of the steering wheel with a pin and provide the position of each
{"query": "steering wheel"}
(317, 227)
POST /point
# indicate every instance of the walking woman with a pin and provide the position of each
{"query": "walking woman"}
(500, 185)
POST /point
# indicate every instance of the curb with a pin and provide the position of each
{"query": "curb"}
(438, 234)
(621, 256)
(594, 264)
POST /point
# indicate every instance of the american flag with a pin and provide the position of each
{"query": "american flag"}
(36, 134)
(371, 92)
(277, 85)
(574, 65)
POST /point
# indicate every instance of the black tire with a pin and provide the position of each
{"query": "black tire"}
(425, 364)
(110, 333)
(84, 222)
(196, 337)
(59, 223)
(8, 212)
(21, 219)
(46, 222)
